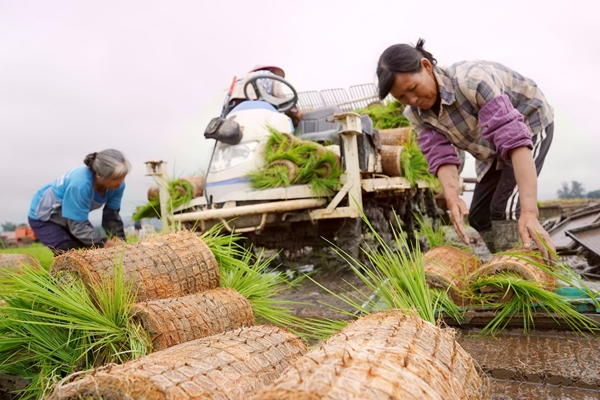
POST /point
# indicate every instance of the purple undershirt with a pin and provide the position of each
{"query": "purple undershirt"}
(501, 124)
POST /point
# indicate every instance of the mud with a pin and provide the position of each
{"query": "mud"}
(505, 390)
(542, 357)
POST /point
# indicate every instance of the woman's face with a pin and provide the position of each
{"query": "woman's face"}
(109, 183)
(416, 89)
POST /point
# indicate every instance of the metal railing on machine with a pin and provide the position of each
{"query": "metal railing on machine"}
(357, 96)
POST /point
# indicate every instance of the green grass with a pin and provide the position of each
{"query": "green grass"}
(38, 250)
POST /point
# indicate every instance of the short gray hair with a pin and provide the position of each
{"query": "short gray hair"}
(109, 163)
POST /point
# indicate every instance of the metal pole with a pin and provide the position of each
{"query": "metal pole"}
(158, 170)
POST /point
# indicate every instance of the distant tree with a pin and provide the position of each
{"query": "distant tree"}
(595, 194)
(8, 226)
(564, 192)
(575, 192)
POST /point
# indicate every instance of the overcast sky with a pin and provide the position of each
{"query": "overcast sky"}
(145, 77)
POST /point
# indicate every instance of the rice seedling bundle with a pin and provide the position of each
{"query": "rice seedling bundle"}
(51, 328)
(382, 356)
(448, 268)
(394, 136)
(391, 160)
(196, 182)
(386, 116)
(223, 366)
(289, 161)
(181, 192)
(520, 283)
(414, 165)
(173, 321)
(525, 265)
(162, 266)
(387, 119)
(15, 262)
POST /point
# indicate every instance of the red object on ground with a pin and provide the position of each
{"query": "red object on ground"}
(22, 232)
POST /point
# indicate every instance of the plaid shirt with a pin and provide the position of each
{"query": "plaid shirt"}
(476, 94)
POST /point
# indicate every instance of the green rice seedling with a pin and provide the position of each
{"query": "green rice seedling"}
(396, 278)
(414, 165)
(52, 327)
(277, 145)
(386, 116)
(561, 271)
(148, 210)
(181, 193)
(274, 176)
(314, 165)
(228, 251)
(249, 275)
(527, 297)
(435, 237)
(446, 305)
(327, 172)
(260, 287)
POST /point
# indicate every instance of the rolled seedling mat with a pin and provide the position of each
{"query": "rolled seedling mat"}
(16, 262)
(181, 319)
(395, 136)
(229, 365)
(391, 163)
(382, 356)
(162, 266)
(283, 145)
(153, 193)
(449, 268)
(197, 183)
(292, 169)
(510, 263)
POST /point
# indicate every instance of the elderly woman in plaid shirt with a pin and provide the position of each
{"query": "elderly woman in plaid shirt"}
(499, 116)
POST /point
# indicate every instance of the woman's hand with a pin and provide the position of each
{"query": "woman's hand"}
(529, 225)
(530, 228)
(458, 211)
(110, 243)
(448, 176)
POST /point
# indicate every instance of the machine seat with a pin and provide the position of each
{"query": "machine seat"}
(314, 126)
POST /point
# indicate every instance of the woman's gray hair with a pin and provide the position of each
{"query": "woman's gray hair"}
(109, 163)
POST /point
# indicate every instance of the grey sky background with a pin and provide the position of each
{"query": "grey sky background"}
(145, 77)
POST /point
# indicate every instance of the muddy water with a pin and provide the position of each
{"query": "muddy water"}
(542, 363)
(505, 390)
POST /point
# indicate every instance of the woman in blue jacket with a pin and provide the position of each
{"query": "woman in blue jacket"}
(59, 213)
